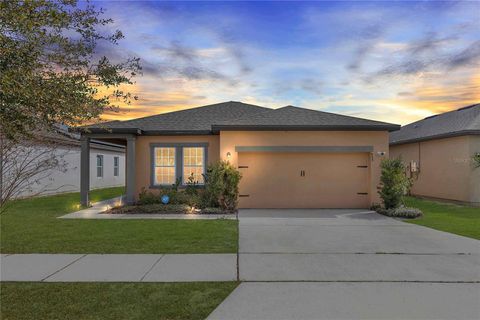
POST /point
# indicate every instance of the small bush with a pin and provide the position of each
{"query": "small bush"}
(175, 196)
(221, 186)
(191, 186)
(148, 197)
(401, 212)
(212, 211)
(476, 160)
(151, 208)
(394, 183)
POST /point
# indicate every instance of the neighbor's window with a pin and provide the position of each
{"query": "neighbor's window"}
(99, 165)
(194, 163)
(116, 166)
(164, 166)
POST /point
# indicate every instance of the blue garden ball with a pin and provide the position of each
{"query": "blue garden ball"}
(165, 199)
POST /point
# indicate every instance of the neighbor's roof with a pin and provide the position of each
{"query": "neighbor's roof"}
(61, 136)
(295, 118)
(463, 121)
(238, 116)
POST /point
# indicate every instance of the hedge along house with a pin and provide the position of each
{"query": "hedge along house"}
(438, 152)
(289, 157)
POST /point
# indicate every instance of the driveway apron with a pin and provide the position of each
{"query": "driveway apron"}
(350, 264)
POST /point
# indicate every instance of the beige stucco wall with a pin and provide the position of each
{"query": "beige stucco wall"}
(446, 169)
(475, 175)
(378, 139)
(143, 161)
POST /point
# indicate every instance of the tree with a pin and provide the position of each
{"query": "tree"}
(394, 182)
(50, 68)
(26, 166)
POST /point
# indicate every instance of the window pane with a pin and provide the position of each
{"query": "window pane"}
(193, 163)
(197, 174)
(164, 166)
(164, 156)
(164, 175)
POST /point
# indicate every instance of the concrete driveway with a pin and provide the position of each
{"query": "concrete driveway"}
(350, 264)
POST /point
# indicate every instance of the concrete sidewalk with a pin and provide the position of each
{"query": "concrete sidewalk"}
(350, 300)
(118, 267)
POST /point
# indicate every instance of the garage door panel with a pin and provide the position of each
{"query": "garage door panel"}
(275, 180)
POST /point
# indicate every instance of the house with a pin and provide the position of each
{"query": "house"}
(107, 159)
(289, 157)
(439, 152)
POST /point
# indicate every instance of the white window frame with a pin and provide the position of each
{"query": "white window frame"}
(100, 166)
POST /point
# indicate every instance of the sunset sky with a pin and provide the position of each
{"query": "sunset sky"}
(395, 62)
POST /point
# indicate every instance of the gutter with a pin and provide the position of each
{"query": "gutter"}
(217, 128)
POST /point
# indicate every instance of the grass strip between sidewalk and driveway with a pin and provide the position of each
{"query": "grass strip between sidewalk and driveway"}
(33, 300)
(457, 219)
(31, 226)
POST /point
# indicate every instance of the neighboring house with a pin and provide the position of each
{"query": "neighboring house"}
(107, 159)
(439, 151)
(289, 157)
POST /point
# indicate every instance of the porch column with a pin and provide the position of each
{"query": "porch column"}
(85, 171)
(130, 167)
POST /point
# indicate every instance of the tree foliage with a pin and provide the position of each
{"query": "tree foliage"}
(50, 67)
(394, 182)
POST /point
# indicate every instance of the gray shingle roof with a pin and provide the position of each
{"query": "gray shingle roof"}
(196, 120)
(239, 116)
(295, 118)
(454, 123)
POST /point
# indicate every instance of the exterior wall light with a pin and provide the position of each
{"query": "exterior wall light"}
(229, 155)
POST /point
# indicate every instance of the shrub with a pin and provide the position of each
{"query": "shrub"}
(401, 212)
(192, 186)
(376, 207)
(394, 183)
(151, 208)
(148, 197)
(221, 186)
(476, 160)
(212, 211)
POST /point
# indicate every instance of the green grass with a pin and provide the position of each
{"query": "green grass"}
(461, 220)
(31, 226)
(116, 301)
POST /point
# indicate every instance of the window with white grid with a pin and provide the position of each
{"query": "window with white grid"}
(164, 166)
(193, 164)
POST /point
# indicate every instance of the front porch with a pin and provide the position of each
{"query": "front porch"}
(127, 140)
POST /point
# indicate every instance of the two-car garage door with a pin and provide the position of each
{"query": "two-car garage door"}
(304, 180)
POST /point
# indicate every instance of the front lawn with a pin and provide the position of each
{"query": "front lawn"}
(31, 226)
(461, 220)
(60, 301)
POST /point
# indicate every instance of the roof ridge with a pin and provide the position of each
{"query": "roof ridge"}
(455, 110)
(192, 109)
